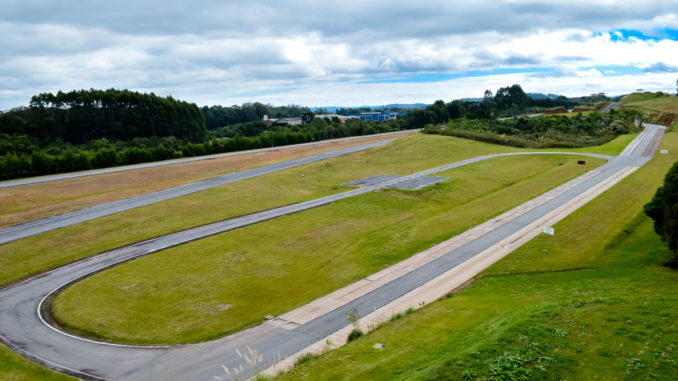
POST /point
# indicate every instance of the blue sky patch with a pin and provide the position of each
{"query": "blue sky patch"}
(618, 70)
(656, 35)
(437, 77)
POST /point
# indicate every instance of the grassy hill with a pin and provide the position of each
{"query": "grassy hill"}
(658, 107)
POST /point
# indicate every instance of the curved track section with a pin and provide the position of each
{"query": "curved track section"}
(22, 328)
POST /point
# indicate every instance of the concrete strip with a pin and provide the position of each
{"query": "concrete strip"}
(654, 143)
(329, 302)
(455, 277)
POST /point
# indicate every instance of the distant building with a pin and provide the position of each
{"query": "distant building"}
(377, 116)
(364, 116)
(342, 118)
(282, 121)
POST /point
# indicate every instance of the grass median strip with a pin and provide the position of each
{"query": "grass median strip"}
(13, 367)
(592, 303)
(31, 202)
(39, 253)
(221, 284)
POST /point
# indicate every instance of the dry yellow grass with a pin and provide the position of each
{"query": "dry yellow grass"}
(31, 202)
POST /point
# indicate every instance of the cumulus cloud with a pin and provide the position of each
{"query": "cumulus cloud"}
(661, 67)
(215, 52)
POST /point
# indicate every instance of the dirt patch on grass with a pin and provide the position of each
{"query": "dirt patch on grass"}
(31, 202)
(668, 120)
(461, 287)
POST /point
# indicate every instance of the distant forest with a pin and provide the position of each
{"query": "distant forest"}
(88, 129)
(220, 116)
(80, 116)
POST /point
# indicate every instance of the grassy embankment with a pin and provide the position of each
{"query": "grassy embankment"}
(48, 250)
(14, 367)
(181, 295)
(657, 107)
(594, 303)
(31, 202)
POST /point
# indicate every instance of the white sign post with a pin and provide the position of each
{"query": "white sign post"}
(550, 231)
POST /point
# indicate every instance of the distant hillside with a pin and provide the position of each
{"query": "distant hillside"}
(531, 95)
(392, 106)
(542, 96)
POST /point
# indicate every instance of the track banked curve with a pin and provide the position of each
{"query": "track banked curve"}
(135, 362)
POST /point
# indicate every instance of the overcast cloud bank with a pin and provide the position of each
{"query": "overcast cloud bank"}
(335, 53)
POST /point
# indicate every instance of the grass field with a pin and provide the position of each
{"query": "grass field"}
(594, 303)
(32, 202)
(16, 368)
(224, 283)
(48, 250)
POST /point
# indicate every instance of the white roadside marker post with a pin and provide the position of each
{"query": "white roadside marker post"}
(550, 231)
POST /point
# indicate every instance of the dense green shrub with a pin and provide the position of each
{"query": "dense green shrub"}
(355, 333)
(663, 209)
(552, 131)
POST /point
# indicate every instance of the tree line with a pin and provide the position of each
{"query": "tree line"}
(80, 116)
(220, 116)
(86, 129)
(23, 156)
(506, 102)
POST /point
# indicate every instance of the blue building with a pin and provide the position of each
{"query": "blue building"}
(377, 116)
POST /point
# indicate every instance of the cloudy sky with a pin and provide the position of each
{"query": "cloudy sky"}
(324, 53)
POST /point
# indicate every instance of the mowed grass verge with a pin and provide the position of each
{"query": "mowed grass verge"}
(39, 253)
(218, 285)
(594, 303)
(31, 202)
(14, 367)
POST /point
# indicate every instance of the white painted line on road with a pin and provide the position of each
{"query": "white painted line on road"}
(54, 365)
(39, 312)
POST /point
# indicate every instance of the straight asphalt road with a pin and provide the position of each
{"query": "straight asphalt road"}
(24, 329)
(71, 175)
(13, 233)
